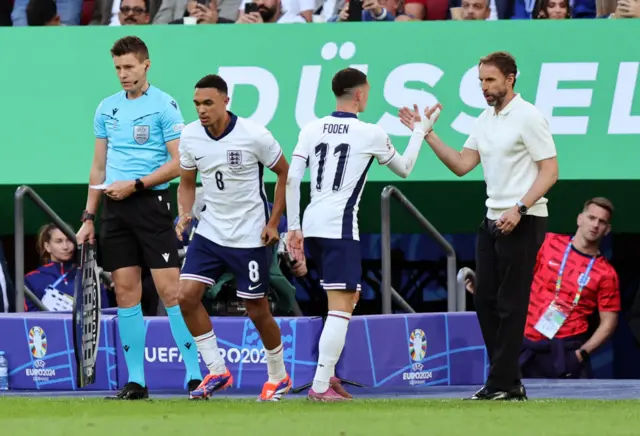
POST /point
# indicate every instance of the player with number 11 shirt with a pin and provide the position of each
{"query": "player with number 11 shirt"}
(339, 150)
(235, 231)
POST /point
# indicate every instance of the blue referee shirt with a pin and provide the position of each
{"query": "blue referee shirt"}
(137, 132)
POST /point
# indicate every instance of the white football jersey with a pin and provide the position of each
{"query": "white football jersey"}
(339, 149)
(231, 170)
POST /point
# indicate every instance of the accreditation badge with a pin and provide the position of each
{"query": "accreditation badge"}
(551, 320)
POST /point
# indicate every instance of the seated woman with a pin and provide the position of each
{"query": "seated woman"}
(552, 10)
(53, 282)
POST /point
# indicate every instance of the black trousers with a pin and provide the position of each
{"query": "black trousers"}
(504, 272)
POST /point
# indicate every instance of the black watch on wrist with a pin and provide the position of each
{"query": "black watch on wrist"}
(585, 355)
(139, 185)
(86, 216)
(522, 208)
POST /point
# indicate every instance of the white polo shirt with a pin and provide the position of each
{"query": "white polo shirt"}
(510, 143)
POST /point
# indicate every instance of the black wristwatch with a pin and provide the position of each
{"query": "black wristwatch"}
(522, 208)
(585, 355)
(139, 185)
(86, 216)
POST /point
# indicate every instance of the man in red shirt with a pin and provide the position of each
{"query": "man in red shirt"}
(571, 281)
(556, 342)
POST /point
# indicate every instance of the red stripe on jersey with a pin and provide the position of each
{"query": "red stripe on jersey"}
(602, 291)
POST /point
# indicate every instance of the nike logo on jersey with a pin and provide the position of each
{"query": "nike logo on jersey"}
(198, 158)
(165, 257)
(252, 287)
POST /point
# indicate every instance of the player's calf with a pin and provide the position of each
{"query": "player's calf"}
(190, 294)
(332, 340)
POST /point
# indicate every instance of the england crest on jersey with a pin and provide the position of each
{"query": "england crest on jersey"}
(583, 280)
(234, 158)
(141, 134)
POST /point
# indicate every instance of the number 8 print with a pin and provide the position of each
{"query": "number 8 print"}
(254, 273)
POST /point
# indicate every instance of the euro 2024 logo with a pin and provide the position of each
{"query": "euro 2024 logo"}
(37, 342)
(38, 348)
(417, 345)
(417, 351)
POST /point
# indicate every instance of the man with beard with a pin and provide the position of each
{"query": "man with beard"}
(512, 140)
(134, 12)
(276, 11)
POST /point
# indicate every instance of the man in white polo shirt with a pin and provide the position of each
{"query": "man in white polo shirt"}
(511, 139)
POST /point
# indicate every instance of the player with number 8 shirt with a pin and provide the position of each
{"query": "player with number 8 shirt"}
(339, 150)
(235, 231)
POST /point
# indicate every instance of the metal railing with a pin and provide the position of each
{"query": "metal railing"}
(21, 193)
(455, 301)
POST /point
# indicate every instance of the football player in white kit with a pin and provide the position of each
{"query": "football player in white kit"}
(235, 231)
(339, 149)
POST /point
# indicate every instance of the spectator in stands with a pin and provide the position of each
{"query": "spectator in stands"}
(552, 10)
(628, 9)
(174, 11)
(427, 9)
(133, 12)
(118, 12)
(46, 12)
(396, 8)
(372, 10)
(42, 13)
(53, 282)
(277, 11)
(476, 10)
(571, 280)
(203, 14)
(495, 9)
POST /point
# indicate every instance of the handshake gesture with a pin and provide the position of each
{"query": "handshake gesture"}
(412, 118)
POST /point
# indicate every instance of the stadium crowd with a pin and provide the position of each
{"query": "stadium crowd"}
(137, 12)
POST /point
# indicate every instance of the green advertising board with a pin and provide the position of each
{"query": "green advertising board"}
(583, 75)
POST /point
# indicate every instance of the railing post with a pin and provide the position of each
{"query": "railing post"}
(452, 284)
(453, 303)
(386, 249)
(19, 245)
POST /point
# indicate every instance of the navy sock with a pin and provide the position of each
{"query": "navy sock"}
(186, 343)
(132, 335)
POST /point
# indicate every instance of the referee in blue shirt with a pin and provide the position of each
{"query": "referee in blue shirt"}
(136, 155)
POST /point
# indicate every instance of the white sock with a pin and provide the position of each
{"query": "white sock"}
(330, 348)
(275, 364)
(208, 348)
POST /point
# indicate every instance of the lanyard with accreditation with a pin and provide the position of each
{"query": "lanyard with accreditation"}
(54, 300)
(553, 318)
